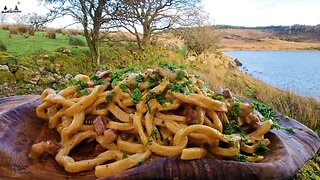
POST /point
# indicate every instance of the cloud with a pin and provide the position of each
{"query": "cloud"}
(264, 12)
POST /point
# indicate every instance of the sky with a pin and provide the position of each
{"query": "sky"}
(230, 12)
(264, 12)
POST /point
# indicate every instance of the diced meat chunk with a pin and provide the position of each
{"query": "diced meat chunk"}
(43, 147)
(227, 93)
(99, 125)
(109, 136)
(191, 115)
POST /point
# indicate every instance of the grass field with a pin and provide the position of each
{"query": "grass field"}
(19, 45)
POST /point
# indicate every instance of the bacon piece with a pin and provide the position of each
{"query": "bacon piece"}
(43, 147)
(253, 121)
(246, 109)
(220, 115)
(90, 84)
(103, 74)
(98, 125)
(109, 136)
(191, 115)
(227, 93)
(164, 72)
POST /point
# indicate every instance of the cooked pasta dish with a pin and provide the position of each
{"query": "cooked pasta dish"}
(132, 115)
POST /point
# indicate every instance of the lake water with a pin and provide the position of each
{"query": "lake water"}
(297, 71)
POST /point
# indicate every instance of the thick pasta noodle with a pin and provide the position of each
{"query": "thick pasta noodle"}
(132, 115)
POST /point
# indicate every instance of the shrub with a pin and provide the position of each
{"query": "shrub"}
(13, 29)
(51, 34)
(5, 26)
(22, 28)
(71, 32)
(3, 47)
(74, 41)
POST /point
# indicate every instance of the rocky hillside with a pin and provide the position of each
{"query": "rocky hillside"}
(30, 75)
(297, 37)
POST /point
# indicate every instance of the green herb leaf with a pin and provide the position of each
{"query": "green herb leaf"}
(123, 87)
(153, 80)
(139, 163)
(234, 112)
(177, 87)
(149, 142)
(154, 134)
(241, 158)
(161, 100)
(289, 129)
(151, 94)
(167, 141)
(80, 83)
(180, 75)
(139, 78)
(168, 65)
(134, 85)
(136, 95)
(82, 92)
(124, 155)
(262, 147)
(110, 96)
(99, 81)
(93, 77)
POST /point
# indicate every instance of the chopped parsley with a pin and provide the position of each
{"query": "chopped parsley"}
(124, 155)
(180, 75)
(93, 77)
(149, 142)
(139, 78)
(134, 85)
(82, 92)
(139, 163)
(231, 129)
(262, 147)
(80, 83)
(151, 94)
(234, 112)
(266, 112)
(167, 141)
(123, 87)
(168, 65)
(241, 158)
(234, 129)
(232, 142)
(177, 87)
(289, 129)
(110, 96)
(116, 74)
(154, 134)
(153, 81)
(136, 95)
(269, 114)
(99, 81)
(172, 66)
(161, 100)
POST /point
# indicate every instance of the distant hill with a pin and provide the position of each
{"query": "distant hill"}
(295, 37)
(297, 33)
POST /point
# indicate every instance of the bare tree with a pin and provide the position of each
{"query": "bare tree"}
(93, 15)
(34, 21)
(199, 36)
(3, 17)
(152, 16)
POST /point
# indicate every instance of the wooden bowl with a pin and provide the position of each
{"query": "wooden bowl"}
(20, 128)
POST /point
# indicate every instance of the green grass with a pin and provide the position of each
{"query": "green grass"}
(19, 45)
